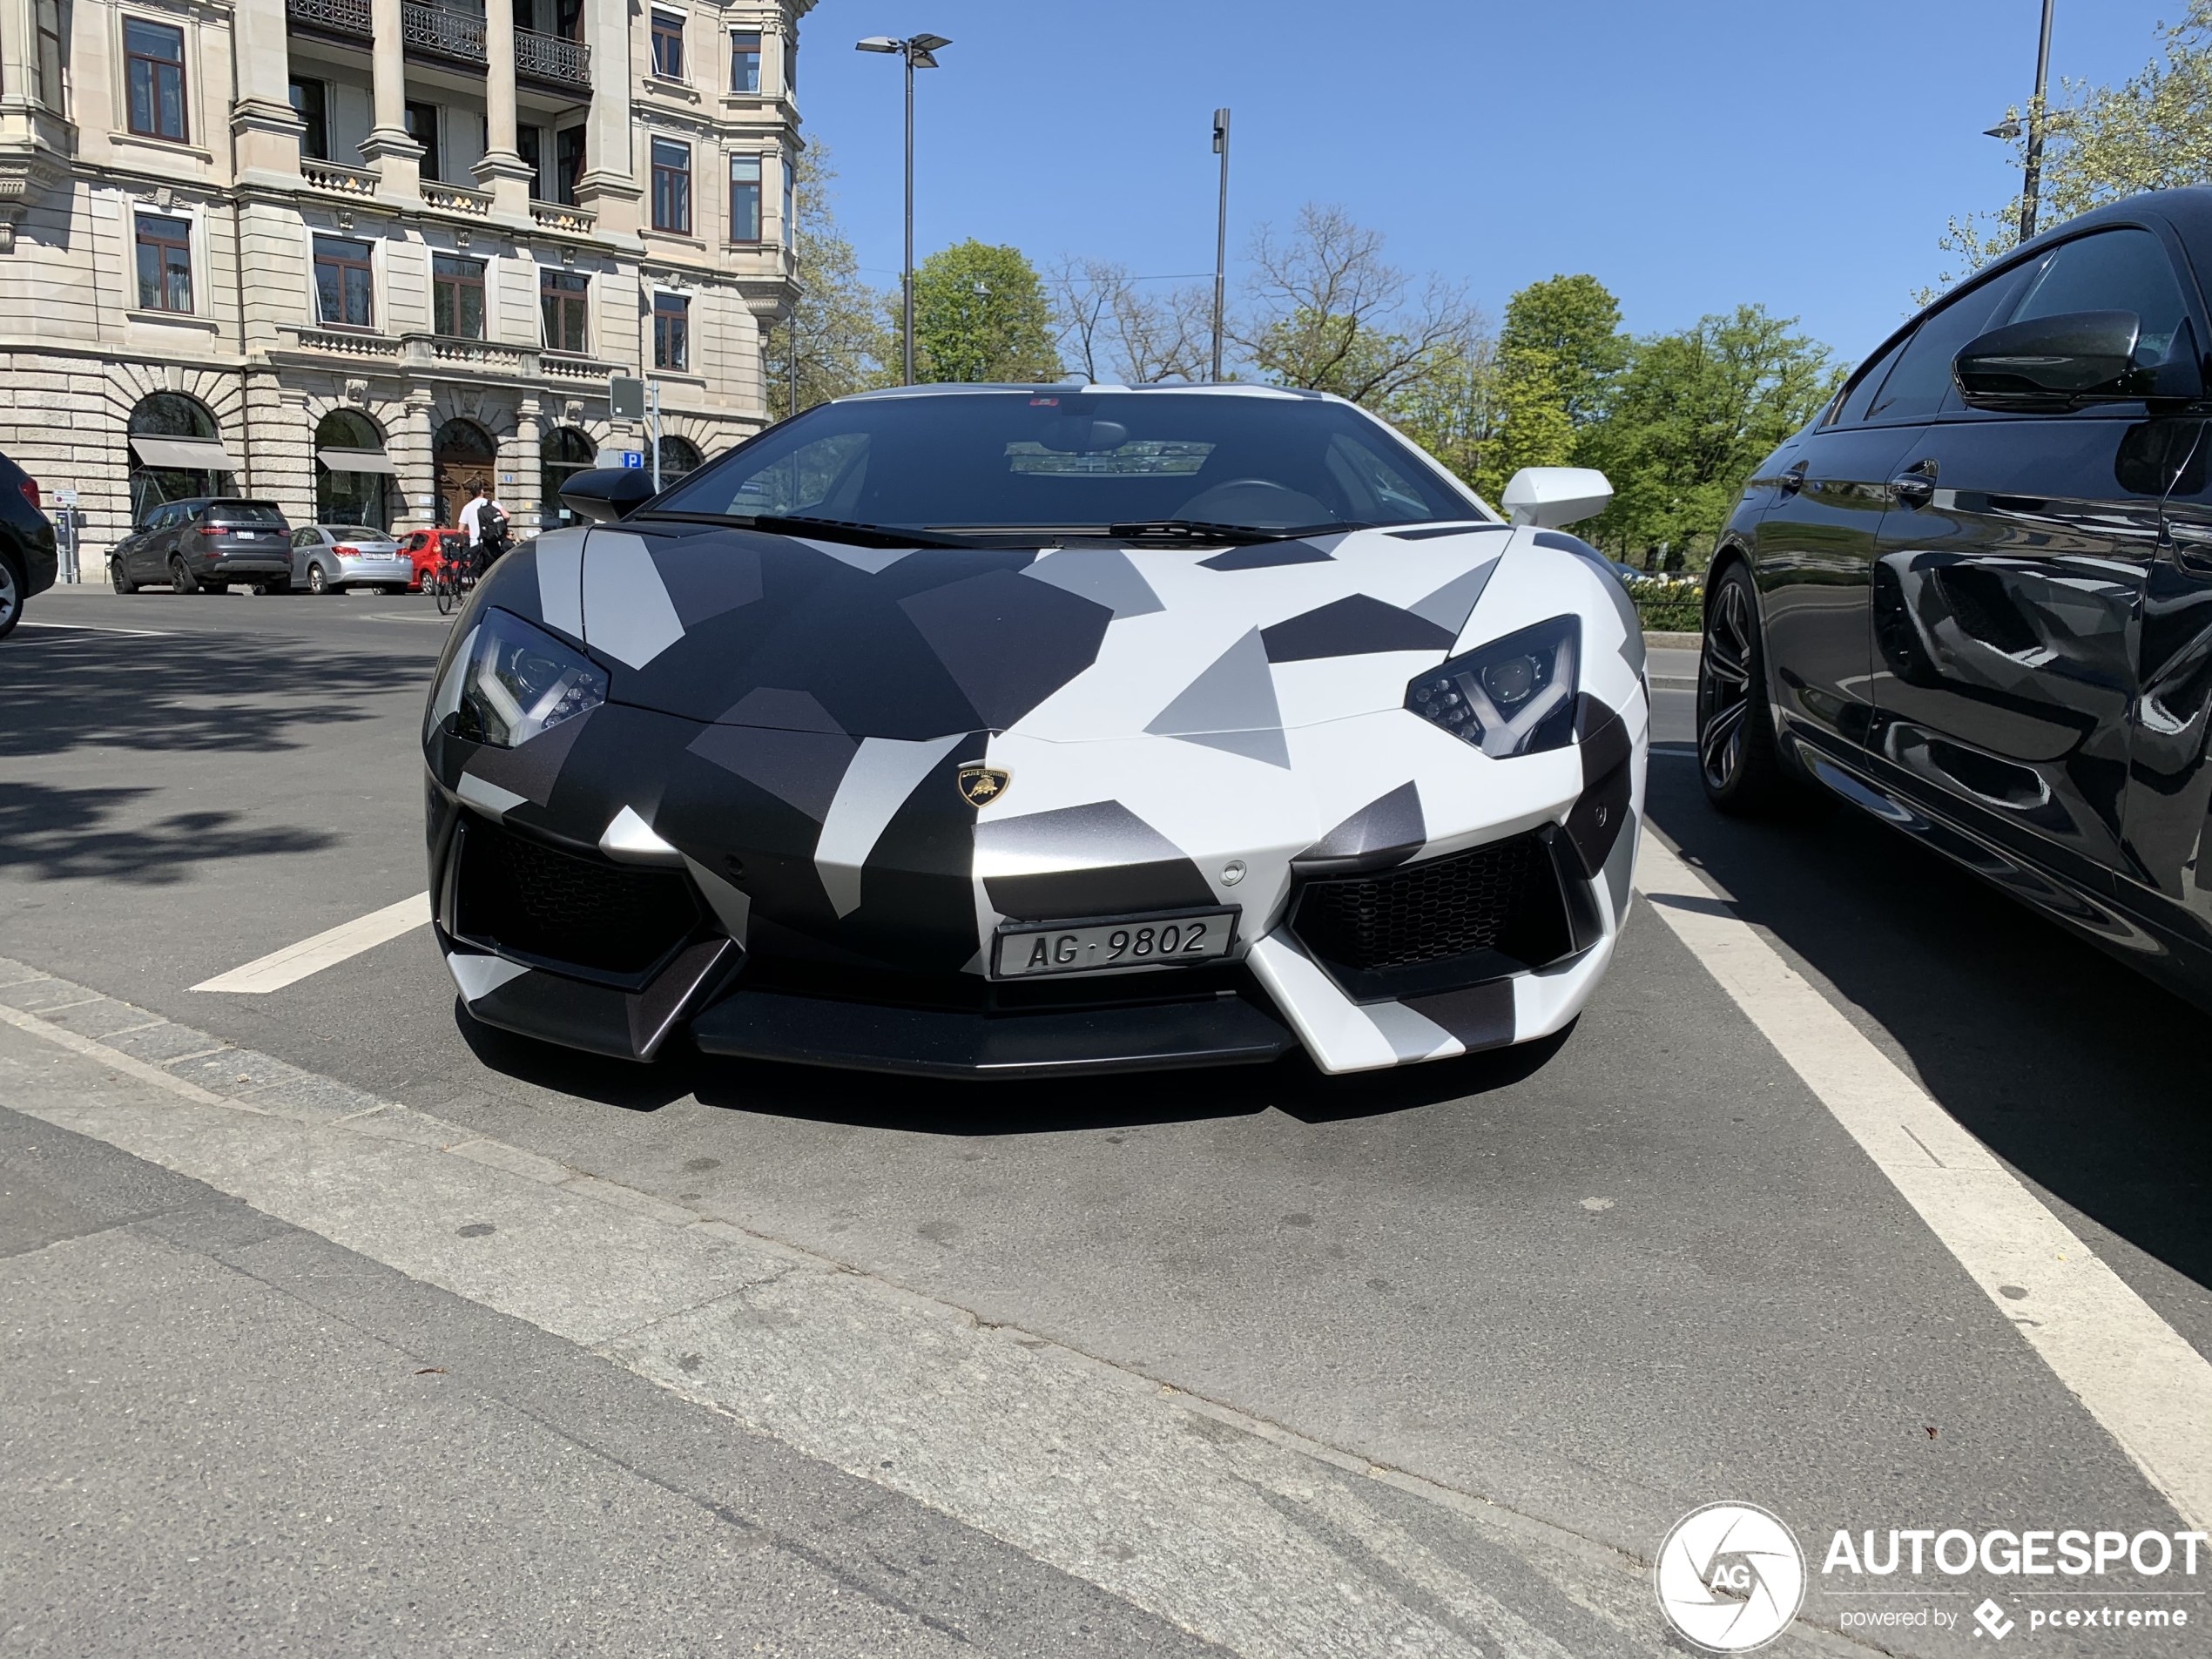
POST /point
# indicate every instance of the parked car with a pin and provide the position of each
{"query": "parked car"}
(1975, 597)
(1036, 730)
(205, 543)
(425, 548)
(330, 558)
(28, 560)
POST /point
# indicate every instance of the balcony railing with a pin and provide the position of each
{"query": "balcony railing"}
(456, 199)
(549, 58)
(454, 35)
(560, 216)
(337, 176)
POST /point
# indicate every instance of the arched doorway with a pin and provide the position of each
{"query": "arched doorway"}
(350, 470)
(464, 456)
(678, 456)
(176, 452)
(564, 453)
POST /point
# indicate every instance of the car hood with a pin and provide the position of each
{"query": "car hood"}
(1097, 642)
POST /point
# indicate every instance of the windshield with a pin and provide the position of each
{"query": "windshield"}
(244, 512)
(1054, 460)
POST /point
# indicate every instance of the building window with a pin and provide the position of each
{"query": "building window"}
(311, 101)
(530, 144)
(671, 186)
(744, 198)
(561, 296)
(791, 67)
(344, 283)
(457, 296)
(791, 203)
(154, 60)
(678, 456)
(563, 453)
(50, 54)
(668, 45)
(568, 164)
(422, 127)
(164, 263)
(671, 331)
(744, 60)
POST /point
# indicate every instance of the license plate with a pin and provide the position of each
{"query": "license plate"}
(245, 535)
(1142, 941)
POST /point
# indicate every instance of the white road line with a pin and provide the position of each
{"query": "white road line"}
(2147, 1386)
(294, 962)
(88, 628)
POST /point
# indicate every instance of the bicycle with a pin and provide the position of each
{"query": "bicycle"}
(451, 581)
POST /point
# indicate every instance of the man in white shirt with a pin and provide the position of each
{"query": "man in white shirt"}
(472, 515)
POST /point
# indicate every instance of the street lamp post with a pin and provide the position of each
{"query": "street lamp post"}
(918, 51)
(1220, 235)
(2008, 129)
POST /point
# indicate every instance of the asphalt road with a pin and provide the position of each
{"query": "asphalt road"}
(1591, 1285)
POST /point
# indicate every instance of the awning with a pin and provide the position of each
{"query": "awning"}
(357, 461)
(194, 454)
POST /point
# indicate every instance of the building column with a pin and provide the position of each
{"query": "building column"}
(503, 170)
(397, 158)
(262, 119)
(521, 497)
(609, 186)
(408, 444)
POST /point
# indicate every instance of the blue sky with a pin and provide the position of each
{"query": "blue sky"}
(1691, 153)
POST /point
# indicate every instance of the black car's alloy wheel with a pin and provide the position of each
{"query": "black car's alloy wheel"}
(181, 580)
(119, 576)
(1738, 760)
(11, 587)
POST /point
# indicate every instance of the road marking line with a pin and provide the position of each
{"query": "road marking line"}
(88, 628)
(2137, 1375)
(294, 962)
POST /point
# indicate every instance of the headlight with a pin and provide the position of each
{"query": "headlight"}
(1515, 696)
(509, 681)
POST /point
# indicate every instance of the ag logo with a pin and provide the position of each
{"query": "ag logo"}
(980, 785)
(1731, 1577)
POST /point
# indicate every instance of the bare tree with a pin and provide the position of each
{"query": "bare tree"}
(1329, 314)
(1112, 330)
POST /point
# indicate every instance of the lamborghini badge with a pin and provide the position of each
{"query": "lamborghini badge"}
(980, 786)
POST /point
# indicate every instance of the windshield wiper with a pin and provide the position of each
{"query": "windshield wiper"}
(1199, 529)
(822, 530)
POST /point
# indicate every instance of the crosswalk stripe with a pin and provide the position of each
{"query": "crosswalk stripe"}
(327, 949)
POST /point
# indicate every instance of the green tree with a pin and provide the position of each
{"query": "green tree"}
(2154, 133)
(1575, 322)
(1532, 427)
(1691, 415)
(843, 346)
(980, 314)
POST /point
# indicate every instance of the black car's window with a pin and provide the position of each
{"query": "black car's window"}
(2122, 270)
(1055, 459)
(245, 512)
(1919, 385)
(1851, 407)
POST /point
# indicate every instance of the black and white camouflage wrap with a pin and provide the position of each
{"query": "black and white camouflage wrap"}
(1180, 726)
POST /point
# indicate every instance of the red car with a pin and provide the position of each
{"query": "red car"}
(425, 548)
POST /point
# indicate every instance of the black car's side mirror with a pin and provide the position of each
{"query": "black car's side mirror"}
(607, 493)
(2079, 357)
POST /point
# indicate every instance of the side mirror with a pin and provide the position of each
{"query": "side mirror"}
(1550, 497)
(607, 493)
(2078, 357)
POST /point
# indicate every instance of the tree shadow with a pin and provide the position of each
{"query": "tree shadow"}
(57, 834)
(195, 692)
(2080, 1073)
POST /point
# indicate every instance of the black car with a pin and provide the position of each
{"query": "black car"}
(29, 562)
(1975, 597)
(205, 542)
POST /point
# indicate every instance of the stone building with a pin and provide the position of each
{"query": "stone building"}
(354, 256)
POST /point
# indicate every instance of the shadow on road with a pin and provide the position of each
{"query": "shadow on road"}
(58, 834)
(228, 693)
(2083, 1075)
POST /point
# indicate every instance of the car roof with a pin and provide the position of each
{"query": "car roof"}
(1082, 388)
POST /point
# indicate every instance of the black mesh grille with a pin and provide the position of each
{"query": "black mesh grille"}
(536, 901)
(1501, 897)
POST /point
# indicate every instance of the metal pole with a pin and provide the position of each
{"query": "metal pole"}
(1221, 235)
(2033, 185)
(653, 427)
(907, 282)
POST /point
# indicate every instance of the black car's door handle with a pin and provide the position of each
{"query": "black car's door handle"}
(1915, 488)
(1794, 480)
